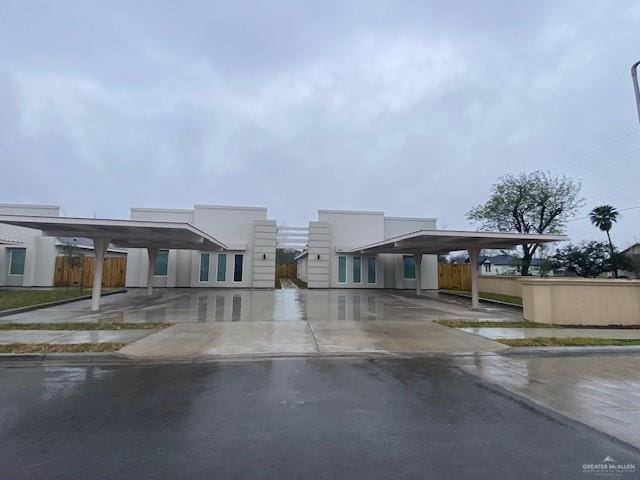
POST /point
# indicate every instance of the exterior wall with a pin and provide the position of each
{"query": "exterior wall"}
(504, 285)
(301, 268)
(245, 229)
(264, 256)
(40, 251)
(581, 301)
(344, 230)
(320, 253)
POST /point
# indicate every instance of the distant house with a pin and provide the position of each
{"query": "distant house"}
(500, 264)
(633, 252)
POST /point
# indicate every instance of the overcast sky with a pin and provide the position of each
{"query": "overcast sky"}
(411, 108)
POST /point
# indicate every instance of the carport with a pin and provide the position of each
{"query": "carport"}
(152, 236)
(425, 242)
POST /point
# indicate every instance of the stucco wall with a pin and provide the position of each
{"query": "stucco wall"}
(504, 285)
(245, 229)
(301, 268)
(40, 251)
(581, 301)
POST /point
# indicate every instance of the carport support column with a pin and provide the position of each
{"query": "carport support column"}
(474, 254)
(153, 252)
(418, 260)
(100, 248)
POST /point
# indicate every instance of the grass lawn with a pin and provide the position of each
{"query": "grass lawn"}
(10, 298)
(83, 326)
(60, 348)
(498, 324)
(278, 284)
(568, 342)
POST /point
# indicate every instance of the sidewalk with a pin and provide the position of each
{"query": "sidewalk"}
(72, 336)
(500, 333)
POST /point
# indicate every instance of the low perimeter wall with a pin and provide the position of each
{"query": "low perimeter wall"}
(503, 285)
(581, 301)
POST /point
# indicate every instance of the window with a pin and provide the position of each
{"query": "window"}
(222, 267)
(409, 267)
(357, 276)
(204, 267)
(161, 264)
(237, 268)
(16, 261)
(371, 269)
(342, 269)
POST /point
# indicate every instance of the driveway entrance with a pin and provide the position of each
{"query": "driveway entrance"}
(291, 321)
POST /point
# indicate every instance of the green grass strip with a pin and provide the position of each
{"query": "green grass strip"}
(497, 324)
(61, 347)
(569, 342)
(83, 326)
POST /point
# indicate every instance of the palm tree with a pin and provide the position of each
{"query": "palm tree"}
(603, 217)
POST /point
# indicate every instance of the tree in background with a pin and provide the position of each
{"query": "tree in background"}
(603, 217)
(589, 259)
(535, 202)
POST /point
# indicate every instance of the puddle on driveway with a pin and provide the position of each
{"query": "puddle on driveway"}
(178, 305)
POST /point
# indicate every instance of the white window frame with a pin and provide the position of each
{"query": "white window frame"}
(24, 266)
(375, 262)
(234, 268)
(218, 267)
(154, 264)
(208, 269)
(353, 270)
(346, 270)
(415, 268)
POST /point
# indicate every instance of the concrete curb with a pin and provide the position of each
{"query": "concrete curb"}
(571, 351)
(71, 358)
(116, 358)
(30, 308)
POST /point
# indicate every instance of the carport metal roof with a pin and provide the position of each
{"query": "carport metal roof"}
(123, 233)
(444, 241)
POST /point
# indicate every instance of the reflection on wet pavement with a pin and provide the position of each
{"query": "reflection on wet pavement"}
(244, 305)
(601, 391)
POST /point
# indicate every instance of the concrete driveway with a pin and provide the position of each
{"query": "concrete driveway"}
(285, 322)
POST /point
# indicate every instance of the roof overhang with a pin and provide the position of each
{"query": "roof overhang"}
(122, 233)
(444, 241)
(9, 241)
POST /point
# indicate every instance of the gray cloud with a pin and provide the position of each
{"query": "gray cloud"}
(408, 107)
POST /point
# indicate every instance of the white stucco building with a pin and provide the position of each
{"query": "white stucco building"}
(249, 261)
(328, 262)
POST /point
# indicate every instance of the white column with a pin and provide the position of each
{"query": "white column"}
(418, 260)
(474, 254)
(152, 251)
(100, 248)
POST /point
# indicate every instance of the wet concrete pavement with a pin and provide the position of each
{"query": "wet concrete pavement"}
(72, 336)
(602, 391)
(295, 418)
(285, 322)
(178, 305)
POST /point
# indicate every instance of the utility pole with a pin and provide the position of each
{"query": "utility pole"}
(634, 76)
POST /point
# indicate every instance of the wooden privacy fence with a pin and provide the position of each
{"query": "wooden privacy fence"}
(113, 273)
(454, 276)
(286, 271)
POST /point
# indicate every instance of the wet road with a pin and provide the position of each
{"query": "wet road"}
(295, 418)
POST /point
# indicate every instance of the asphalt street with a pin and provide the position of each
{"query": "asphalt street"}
(283, 418)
